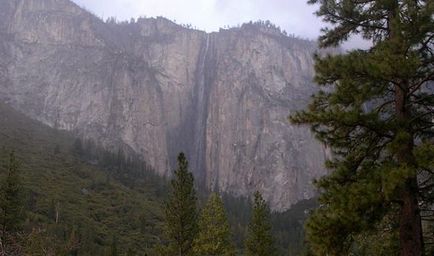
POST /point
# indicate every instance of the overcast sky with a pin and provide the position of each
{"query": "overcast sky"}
(294, 16)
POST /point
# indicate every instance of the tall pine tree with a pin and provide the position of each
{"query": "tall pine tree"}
(181, 213)
(259, 240)
(11, 201)
(214, 237)
(375, 112)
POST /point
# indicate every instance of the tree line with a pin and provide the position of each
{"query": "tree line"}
(190, 231)
(128, 168)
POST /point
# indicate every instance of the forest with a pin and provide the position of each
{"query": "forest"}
(67, 196)
(62, 194)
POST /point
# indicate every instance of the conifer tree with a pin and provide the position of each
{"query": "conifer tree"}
(214, 235)
(375, 112)
(259, 240)
(11, 201)
(114, 247)
(130, 252)
(181, 211)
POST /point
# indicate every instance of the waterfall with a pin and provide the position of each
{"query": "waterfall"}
(202, 90)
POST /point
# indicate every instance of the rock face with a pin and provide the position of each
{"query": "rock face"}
(157, 88)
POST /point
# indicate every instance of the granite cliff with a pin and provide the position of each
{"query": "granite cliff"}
(156, 88)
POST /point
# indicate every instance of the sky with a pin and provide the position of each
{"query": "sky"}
(294, 16)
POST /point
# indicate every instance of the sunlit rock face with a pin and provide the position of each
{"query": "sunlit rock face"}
(156, 88)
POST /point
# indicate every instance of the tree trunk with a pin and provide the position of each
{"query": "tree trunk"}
(410, 224)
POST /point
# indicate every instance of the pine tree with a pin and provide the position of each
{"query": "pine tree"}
(259, 240)
(181, 212)
(375, 112)
(11, 201)
(214, 236)
(114, 247)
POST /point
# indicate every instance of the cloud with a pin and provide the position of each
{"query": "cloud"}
(294, 16)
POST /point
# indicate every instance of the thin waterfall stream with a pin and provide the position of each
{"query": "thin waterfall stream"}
(201, 105)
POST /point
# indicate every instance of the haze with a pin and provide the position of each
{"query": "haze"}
(294, 16)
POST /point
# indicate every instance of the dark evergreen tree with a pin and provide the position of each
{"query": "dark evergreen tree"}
(114, 247)
(259, 240)
(130, 252)
(11, 201)
(375, 112)
(214, 237)
(77, 147)
(181, 213)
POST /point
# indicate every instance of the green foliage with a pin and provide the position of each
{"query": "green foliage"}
(287, 226)
(91, 195)
(214, 235)
(383, 240)
(260, 241)
(91, 200)
(238, 212)
(375, 112)
(11, 201)
(114, 247)
(181, 215)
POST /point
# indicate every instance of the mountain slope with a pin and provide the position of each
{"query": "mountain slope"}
(66, 196)
(155, 88)
(96, 204)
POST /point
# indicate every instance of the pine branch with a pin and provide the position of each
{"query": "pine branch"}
(416, 87)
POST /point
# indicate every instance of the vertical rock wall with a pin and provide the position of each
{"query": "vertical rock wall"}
(156, 88)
